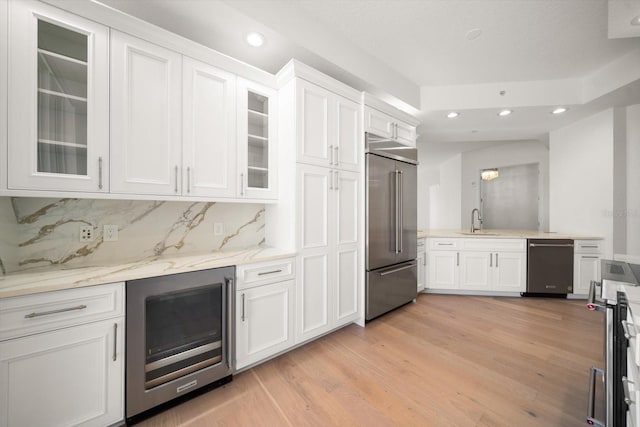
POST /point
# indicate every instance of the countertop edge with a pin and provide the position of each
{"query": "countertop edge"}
(501, 234)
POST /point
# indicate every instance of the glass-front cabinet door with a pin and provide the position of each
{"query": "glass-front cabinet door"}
(256, 140)
(59, 97)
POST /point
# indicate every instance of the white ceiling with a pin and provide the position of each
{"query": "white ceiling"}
(414, 53)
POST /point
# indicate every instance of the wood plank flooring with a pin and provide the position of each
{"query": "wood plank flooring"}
(444, 361)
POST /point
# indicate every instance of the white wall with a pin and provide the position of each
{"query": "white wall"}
(633, 180)
(511, 154)
(439, 194)
(581, 179)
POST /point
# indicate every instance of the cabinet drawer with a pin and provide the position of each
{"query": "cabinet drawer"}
(503, 245)
(30, 314)
(251, 275)
(444, 244)
(587, 246)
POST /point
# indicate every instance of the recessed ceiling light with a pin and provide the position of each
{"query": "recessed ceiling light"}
(255, 39)
(504, 113)
(473, 34)
(559, 110)
(453, 115)
(636, 20)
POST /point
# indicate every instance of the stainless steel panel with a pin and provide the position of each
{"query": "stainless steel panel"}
(409, 212)
(381, 212)
(390, 148)
(608, 359)
(389, 288)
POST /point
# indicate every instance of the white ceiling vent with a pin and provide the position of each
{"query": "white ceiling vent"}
(623, 18)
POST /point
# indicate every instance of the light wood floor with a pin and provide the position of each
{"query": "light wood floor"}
(444, 361)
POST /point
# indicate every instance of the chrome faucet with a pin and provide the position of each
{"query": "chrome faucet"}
(473, 225)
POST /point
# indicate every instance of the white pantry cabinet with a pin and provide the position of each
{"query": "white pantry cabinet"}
(328, 128)
(587, 255)
(264, 310)
(257, 141)
(208, 130)
(328, 265)
(146, 112)
(58, 89)
(66, 367)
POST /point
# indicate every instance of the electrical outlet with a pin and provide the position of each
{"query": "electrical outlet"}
(86, 233)
(218, 229)
(110, 233)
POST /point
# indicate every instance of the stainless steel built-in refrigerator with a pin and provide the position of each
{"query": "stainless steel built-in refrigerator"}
(391, 200)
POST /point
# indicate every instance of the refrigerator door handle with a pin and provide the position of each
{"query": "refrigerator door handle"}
(401, 209)
(397, 208)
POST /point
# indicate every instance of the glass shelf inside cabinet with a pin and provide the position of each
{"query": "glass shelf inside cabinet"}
(62, 100)
(258, 140)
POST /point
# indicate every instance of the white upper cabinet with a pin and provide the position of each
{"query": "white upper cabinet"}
(328, 128)
(256, 141)
(208, 131)
(388, 126)
(146, 106)
(58, 122)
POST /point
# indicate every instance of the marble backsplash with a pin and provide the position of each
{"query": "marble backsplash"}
(37, 232)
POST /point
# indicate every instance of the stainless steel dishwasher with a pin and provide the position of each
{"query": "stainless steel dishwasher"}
(549, 266)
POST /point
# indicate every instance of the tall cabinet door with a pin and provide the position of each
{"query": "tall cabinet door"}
(313, 289)
(58, 123)
(208, 131)
(348, 136)
(314, 104)
(344, 229)
(146, 105)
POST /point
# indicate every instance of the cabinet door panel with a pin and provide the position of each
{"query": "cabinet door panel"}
(585, 269)
(58, 120)
(314, 206)
(509, 274)
(69, 375)
(346, 191)
(348, 151)
(443, 270)
(422, 262)
(312, 294)
(209, 134)
(313, 124)
(146, 102)
(475, 272)
(406, 134)
(346, 282)
(378, 122)
(264, 324)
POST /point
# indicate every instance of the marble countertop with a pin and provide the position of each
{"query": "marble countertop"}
(48, 279)
(502, 234)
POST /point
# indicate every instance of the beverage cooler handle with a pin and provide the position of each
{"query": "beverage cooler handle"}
(591, 407)
(591, 299)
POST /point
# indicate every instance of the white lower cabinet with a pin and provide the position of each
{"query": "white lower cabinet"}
(264, 310)
(62, 377)
(494, 265)
(264, 321)
(586, 264)
(422, 265)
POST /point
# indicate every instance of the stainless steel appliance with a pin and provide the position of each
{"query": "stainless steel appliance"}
(391, 222)
(605, 296)
(549, 266)
(179, 336)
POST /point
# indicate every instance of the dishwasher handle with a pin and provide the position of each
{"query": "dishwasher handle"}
(550, 245)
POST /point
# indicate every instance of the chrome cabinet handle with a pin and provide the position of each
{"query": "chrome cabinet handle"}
(176, 186)
(189, 180)
(242, 184)
(46, 313)
(627, 331)
(100, 173)
(330, 180)
(589, 246)
(490, 260)
(458, 259)
(243, 313)
(496, 260)
(589, 257)
(336, 184)
(337, 157)
(331, 160)
(444, 244)
(262, 273)
(115, 342)
(625, 388)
